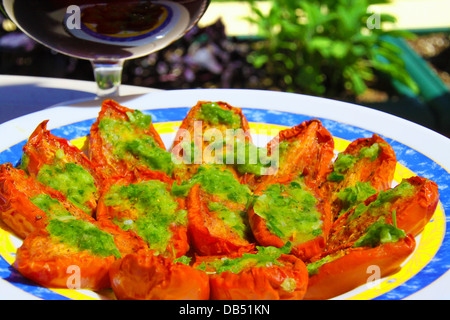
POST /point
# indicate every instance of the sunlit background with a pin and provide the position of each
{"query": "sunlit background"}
(389, 55)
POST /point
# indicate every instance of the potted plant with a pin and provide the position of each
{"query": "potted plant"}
(327, 48)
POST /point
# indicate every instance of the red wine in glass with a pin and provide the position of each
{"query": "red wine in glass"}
(106, 32)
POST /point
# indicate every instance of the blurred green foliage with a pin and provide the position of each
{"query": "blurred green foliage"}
(326, 47)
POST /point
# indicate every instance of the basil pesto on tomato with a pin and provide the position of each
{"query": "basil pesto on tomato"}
(69, 178)
(130, 143)
(344, 161)
(379, 233)
(380, 206)
(248, 158)
(290, 212)
(72, 180)
(354, 195)
(264, 257)
(214, 114)
(83, 235)
(76, 233)
(52, 207)
(152, 211)
(215, 181)
(235, 219)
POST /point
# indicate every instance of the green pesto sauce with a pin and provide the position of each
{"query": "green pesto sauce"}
(139, 119)
(215, 181)
(183, 260)
(283, 146)
(344, 162)
(52, 207)
(290, 212)
(146, 149)
(83, 235)
(79, 234)
(191, 153)
(371, 152)
(379, 233)
(236, 220)
(24, 161)
(157, 211)
(249, 158)
(313, 267)
(383, 200)
(131, 145)
(264, 257)
(282, 149)
(244, 156)
(352, 196)
(71, 179)
(214, 114)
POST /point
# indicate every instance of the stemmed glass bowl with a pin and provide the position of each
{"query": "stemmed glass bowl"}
(105, 32)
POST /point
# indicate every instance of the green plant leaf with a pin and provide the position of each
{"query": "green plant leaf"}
(339, 49)
(358, 83)
(323, 47)
(320, 44)
(387, 18)
(260, 60)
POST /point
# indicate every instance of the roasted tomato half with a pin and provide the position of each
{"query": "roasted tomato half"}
(264, 274)
(365, 167)
(124, 142)
(343, 269)
(57, 163)
(379, 232)
(306, 149)
(73, 253)
(409, 206)
(292, 211)
(217, 226)
(209, 134)
(27, 205)
(217, 204)
(147, 276)
(144, 206)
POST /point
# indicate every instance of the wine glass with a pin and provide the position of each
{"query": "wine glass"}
(106, 32)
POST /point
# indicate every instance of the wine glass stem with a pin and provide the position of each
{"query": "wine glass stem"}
(108, 76)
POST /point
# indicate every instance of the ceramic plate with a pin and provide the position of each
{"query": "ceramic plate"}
(419, 151)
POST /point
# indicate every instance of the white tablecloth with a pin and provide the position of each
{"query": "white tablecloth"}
(20, 95)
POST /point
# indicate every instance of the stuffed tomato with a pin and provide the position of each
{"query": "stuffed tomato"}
(124, 142)
(343, 269)
(378, 232)
(57, 163)
(146, 207)
(73, 253)
(149, 276)
(217, 204)
(291, 210)
(409, 205)
(267, 273)
(212, 133)
(306, 149)
(365, 167)
(25, 202)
